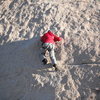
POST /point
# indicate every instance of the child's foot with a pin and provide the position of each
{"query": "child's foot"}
(55, 65)
(44, 61)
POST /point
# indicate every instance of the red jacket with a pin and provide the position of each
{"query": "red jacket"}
(49, 37)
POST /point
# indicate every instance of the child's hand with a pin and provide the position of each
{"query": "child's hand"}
(62, 41)
(59, 43)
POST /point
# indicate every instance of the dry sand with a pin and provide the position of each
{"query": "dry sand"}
(22, 75)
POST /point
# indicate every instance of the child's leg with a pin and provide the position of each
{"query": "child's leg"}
(43, 54)
(53, 58)
(52, 54)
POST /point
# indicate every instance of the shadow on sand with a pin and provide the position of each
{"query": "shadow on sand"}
(18, 61)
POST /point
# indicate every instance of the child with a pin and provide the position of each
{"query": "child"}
(48, 43)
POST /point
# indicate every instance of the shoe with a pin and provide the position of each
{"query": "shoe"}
(55, 65)
(44, 61)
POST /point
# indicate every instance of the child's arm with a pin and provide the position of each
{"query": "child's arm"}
(56, 38)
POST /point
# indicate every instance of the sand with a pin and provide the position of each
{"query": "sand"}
(23, 76)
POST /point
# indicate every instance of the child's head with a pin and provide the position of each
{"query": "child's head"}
(49, 31)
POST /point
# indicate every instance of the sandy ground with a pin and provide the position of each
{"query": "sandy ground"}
(23, 76)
